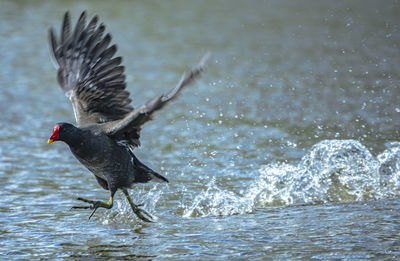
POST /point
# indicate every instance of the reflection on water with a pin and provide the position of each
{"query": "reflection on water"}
(288, 147)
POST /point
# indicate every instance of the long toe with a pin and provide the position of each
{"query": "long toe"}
(144, 215)
(79, 207)
(86, 200)
(94, 210)
(92, 205)
(91, 202)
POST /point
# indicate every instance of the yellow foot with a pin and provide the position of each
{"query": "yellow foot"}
(140, 213)
(94, 205)
(143, 214)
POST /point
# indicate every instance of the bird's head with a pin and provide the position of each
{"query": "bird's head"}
(61, 131)
(56, 134)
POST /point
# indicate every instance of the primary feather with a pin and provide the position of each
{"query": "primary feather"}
(89, 74)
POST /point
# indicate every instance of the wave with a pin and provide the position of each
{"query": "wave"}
(332, 171)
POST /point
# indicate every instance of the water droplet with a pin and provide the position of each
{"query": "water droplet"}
(363, 106)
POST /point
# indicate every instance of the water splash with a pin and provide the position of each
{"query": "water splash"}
(217, 202)
(389, 170)
(332, 171)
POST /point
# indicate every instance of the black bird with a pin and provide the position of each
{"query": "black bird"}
(108, 127)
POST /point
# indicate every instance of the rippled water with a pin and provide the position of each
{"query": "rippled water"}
(287, 148)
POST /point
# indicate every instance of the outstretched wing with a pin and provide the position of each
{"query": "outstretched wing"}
(89, 74)
(128, 129)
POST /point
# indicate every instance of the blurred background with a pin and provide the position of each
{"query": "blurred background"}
(287, 147)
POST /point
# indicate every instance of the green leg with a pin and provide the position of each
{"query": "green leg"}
(95, 204)
(140, 213)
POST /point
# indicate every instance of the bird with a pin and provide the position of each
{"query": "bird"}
(108, 127)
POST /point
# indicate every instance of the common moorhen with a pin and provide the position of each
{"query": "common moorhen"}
(108, 127)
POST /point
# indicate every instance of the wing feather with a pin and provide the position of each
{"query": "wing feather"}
(128, 129)
(94, 81)
(88, 72)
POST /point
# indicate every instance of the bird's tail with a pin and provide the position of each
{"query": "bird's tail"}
(147, 173)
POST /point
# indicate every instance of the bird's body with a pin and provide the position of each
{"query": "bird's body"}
(113, 164)
(108, 127)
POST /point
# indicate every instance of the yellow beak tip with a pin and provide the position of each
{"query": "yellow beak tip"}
(50, 141)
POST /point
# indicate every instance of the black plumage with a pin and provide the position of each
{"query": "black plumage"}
(108, 127)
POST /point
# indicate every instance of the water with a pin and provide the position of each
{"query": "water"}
(288, 147)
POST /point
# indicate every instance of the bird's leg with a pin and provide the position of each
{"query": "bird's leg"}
(95, 204)
(140, 213)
